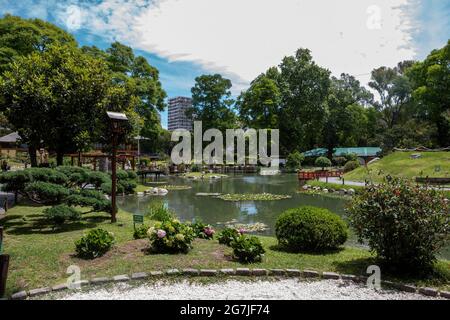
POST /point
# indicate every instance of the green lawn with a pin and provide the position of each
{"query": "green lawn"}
(335, 186)
(400, 164)
(41, 255)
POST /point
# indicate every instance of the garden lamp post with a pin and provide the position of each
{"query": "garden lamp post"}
(116, 119)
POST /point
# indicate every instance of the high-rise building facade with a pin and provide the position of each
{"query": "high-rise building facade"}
(177, 118)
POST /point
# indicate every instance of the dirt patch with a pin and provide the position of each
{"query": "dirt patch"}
(128, 250)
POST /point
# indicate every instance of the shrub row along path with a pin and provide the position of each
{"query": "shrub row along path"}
(359, 184)
(285, 289)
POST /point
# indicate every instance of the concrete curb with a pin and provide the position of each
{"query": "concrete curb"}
(241, 272)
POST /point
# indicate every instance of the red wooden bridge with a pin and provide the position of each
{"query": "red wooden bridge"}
(315, 175)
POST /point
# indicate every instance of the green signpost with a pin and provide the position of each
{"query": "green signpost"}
(137, 218)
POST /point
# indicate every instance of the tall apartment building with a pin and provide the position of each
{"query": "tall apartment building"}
(177, 118)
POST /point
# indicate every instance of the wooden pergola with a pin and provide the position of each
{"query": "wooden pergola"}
(122, 156)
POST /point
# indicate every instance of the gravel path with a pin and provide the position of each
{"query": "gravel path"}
(286, 289)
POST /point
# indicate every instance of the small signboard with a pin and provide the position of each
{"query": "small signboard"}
(137, 218)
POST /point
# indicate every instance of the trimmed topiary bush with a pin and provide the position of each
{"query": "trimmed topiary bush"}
(351, 165)
(405, 224)
(227, 236)
(46, 192)
(322, 162)
(61, 213)
(247, 249)
(94, 244)
(47, 175)
(171, 236)
(310, 229)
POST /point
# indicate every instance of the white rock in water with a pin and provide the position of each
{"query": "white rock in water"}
(163, 191)
(351, 191)
(140, 194)
(325, 190)
(305, 187)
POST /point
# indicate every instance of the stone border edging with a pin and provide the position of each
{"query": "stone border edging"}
(192, 272)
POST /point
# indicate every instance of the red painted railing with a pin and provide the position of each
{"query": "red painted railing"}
(313, 175)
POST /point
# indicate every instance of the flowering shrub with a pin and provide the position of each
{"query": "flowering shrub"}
(202, 230)
(95, 244)
(228, 235)
(405, 224)
(247, 249)
(171, 236)
(140, 232)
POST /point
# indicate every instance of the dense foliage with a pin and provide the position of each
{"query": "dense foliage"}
(61, 213)
(351, 165)
(158, 211)
(171, 236)
(202, 230)
(94, 244)
(310, 229)
(404, 224)
(247, 249)
(227, 235)
(294, 161)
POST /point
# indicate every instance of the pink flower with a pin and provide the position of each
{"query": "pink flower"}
(209, 231)
(242, 231)
(161, 234)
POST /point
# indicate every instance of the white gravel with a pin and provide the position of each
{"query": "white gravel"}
(286, 289)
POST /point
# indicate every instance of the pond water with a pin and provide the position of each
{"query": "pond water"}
(188, 206)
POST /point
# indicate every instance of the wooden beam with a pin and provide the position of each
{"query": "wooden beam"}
(4, 264)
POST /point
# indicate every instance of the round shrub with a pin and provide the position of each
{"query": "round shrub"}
(339, 161)
(322, 162)
(247, 249)
(140, 232)
(351, 165)
(405, 224)
(310, 229)
(61, 213)
(171, 236)
(227, 236)
(95, 244)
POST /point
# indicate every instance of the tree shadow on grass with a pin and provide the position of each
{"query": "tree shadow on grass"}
(38, 224)
(282, 248)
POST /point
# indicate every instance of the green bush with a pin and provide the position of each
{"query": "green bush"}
(294, 161)
(97, 178)
(171, 236)
(15, 181)
(310, 229)
(122, 175)
(159, 212)
(351, 165)
(405, 224)
(46, 192)
(202, 231)
(322, 162)
(61, 213)
(339, 161)
(97, 204)
(140, 231)
(247, 249)
(47, 175)
(95, 244)
(227, 236)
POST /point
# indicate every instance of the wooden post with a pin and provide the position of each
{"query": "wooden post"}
(71, 160)
(4, 264)
(114, 179)
(1, 240)
(6, 204)
(133, 163)
(95, 164)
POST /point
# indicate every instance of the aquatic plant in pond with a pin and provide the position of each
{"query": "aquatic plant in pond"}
(253, 197)
(175, 187)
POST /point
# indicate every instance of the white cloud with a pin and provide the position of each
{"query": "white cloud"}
(242, 38)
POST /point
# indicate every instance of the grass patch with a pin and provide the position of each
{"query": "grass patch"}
(400, 164)
(40, 254)
(335, 186)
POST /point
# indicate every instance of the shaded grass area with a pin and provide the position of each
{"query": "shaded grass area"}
(400, 164)
(41, 254)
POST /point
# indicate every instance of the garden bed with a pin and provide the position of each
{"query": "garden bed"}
(40, 254)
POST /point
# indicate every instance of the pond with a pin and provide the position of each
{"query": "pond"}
(189, 206)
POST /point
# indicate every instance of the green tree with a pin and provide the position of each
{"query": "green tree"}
(322, 162)
(431, 90)
(211, 102)
(304, 87)
(21, 37)
(259, 105)
(54, 98)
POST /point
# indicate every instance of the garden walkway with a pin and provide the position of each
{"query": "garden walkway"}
(285, 289)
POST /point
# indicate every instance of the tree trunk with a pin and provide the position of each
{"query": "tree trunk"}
(33, 157)
(59, 158)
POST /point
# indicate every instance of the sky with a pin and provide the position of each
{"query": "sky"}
(242, 38)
